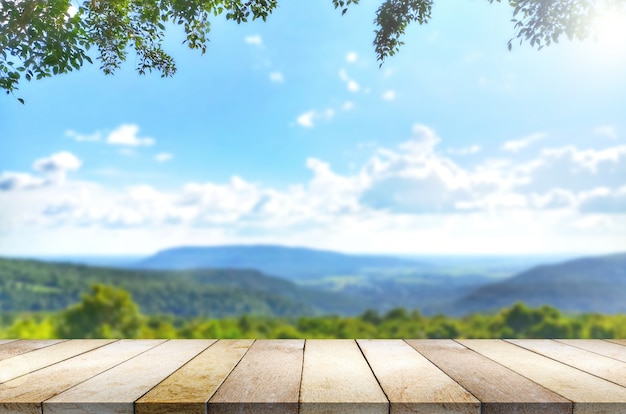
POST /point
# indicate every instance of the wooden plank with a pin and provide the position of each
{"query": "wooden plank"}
(266, 380)
(498, 388)
(13, 348)
(115, 390)
(412, 383)
(34, 360)
(595, 364)
(25, 394)
(6, 341)
(590, 394)
(337, 379)
(610, 349)
(618, 341)
(188, 390)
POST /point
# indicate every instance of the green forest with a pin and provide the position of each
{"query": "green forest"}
(110, 312)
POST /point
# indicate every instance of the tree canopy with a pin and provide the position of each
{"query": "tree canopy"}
(41, 38)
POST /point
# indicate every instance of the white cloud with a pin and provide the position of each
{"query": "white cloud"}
(309, 118)
(607, 131)
(410, 195)
(519, 144)
(351, 84)
(277, 77)
(351, 57)
(604, 200)
(389, 95)
(253, 40)
(472, 149)
(347, 105)
(126, 134)
(59, 162)
(163, 156)
(96, 136)
(306, 119)
(10, 181)
(54, 168)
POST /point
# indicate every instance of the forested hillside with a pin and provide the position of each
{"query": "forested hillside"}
(27, 285)
(109, 312)
(594, 284)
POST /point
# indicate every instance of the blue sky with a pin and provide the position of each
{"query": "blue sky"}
(289, 132)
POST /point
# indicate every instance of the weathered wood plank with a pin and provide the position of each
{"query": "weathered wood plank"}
(590, 394)
(412, 383)
(6, 341)
(188, 390)
(610, 349)
(266, 380)
(618, 341)
(32, 361)
(595, 364)
(337, 379)
(116, 390)
(498, 388)
(13, 348)
(25, 394)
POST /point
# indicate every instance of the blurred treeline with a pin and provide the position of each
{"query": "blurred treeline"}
(109, 312)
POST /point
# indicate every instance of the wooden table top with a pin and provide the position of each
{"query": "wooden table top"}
(313, 376)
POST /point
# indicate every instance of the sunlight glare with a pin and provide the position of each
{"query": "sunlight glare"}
(610, 32)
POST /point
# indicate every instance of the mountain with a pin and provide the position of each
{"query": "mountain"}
(592, 284)
(293, 263)
(30, 285)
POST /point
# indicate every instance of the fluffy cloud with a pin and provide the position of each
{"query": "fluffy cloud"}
(351, 57)
(351, 84)
(277, 77)
(308, 119)
(604, 200)
(19, 181)
(163, 157)
(96, 136)
(411, 194)
(519, 144)
(126, 135)
(60, 162)
(253, 40)
(389, 95)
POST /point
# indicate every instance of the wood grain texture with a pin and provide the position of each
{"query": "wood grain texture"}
(266, 380)
(116, 390)
(25, 394)
(187, 390)
(595, 364)
(498, 388)
(337, 379)
(6, 341)
(412, 383)
(13, 348)
(606, 348)
(590, 394)
(40, 358)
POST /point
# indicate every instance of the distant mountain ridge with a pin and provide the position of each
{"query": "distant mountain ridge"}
(591, 284)
(294, 263)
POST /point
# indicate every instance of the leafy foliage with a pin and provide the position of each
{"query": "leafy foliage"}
(40, 38)
(109, 313)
